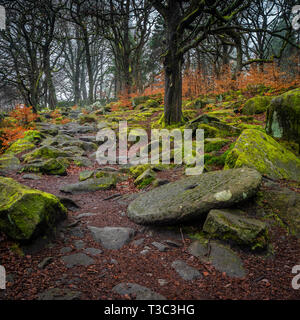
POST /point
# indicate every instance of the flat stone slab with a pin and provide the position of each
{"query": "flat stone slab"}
(185, 271)
(90, 185)
(77, 259)
(112, 238)
(221, 257)
(193, 197)
(93, 251)
(59, 294)
(139, 292)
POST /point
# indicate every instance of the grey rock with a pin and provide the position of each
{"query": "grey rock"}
(79, 244)
(161, 247)
(31, 177)
(59, 294)
(77, 259)
(93, 251)
(173, 203)
(185, 271)
(138, 243)
(139, 292)
(45, 263)
(221, 257)
(91, 185)
(65, 250)
(112, 238)
(76, 232)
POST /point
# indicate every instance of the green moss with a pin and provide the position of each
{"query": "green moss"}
(214, 144)
(257, 150)
(256, 105)
(45, 152)
(243, 126)
(50, 167)
(88, 119)
(146, 182)
(19, 146)
(233, 225)
(24, 212)
(283, 117)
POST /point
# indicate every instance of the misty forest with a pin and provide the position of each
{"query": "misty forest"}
(107, 108)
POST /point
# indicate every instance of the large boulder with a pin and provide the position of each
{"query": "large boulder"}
(44, 153)
(256, 105)
(26, 213)
(235, 226)
(27, 143)
(193, 197)
(50, 167)
(283, 118)
(255, 149)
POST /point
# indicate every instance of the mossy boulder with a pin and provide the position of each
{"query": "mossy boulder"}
(19, 146)
(256, 105)
(88, 118)
(255, 149)
(85, 175)
(233, 225)
(283, 117)
(26, 213)
(46, 152)
(9, 162)
(49, 167)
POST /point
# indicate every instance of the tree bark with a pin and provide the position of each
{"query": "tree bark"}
(173, 69)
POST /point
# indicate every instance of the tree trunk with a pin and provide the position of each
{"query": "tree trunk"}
(89, 66)
(173, 70)
(173, 90)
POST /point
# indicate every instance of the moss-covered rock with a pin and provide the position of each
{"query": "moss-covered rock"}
(46, 152)
(283, 117)
(49, 167)
(244, 126)
(233, 225)
(9, 162)
(26, 213)
(90, 185)
(256, 105)
(145, 179)
(282, 204)
(257, 150)
(19, 146)
(87, 118)
(210, 131)
(85, 175)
